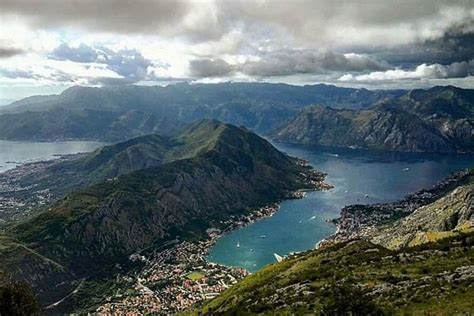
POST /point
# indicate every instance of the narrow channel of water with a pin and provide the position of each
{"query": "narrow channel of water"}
(358, 177)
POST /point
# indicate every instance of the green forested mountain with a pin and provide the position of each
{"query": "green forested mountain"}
(222, 171)
(440, 119)
(118, 113)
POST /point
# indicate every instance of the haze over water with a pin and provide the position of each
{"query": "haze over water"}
(300, 224)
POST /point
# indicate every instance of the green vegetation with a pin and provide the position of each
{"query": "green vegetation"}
(361, 278)
(436, 120)
(17, 298)
(417, 276)
(227, 171)
(194, 276)
(115, 114)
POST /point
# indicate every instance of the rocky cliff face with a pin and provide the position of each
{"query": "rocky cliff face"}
(434, 120)
(448, 216)
(375, 129)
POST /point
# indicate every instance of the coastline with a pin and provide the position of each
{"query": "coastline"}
(17, 200)
(360, 221)
(186, 258)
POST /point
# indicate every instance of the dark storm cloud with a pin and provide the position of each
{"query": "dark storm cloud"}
(121, 16)
(317, 22)
(288, 62)
(265, 38)
(208, 67)
(7, 52)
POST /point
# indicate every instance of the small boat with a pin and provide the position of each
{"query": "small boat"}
(263, 236)
(278, 257)
(366, 195)
(312, 218)
(406, 169)
(238, 244)
(251, 250)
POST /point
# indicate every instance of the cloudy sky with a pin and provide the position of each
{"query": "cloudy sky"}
(48, 45)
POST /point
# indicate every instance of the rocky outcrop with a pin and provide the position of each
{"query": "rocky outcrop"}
(447, 216)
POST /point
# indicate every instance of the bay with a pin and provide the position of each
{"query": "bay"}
(361, 177)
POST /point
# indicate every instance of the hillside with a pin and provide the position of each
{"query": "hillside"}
(427, 215)
(114, 114)
(226, 171)
(361, 278)
(450, 215)
(440, 119)
(430, 270)
(48, 181)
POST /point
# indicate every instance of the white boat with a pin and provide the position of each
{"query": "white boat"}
(263, 236)
(278, 257)
(406, 169)
(238, 244)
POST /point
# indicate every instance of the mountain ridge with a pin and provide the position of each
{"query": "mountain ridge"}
(99, 226)
(421, 121)
(114, 114)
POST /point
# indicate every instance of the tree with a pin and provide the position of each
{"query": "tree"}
(17, 298)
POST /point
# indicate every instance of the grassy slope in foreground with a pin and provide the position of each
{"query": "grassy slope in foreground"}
(362, 278)
(231, 172)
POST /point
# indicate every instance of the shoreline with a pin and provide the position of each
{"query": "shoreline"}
(359, 221)
(19, 201)
(186, 258)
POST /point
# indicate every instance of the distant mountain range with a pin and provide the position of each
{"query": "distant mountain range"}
(427, 268)
(119, 113)
(207, 174)
(440, 119)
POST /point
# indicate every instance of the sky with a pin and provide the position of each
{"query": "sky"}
(49, 45)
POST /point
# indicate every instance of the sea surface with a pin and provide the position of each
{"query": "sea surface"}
(358, 177)
(14, 153)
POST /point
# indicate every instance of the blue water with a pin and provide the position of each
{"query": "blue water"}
(14, 153)
(300, 224)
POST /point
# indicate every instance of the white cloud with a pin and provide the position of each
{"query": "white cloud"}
(145, 40)
(423, 71)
